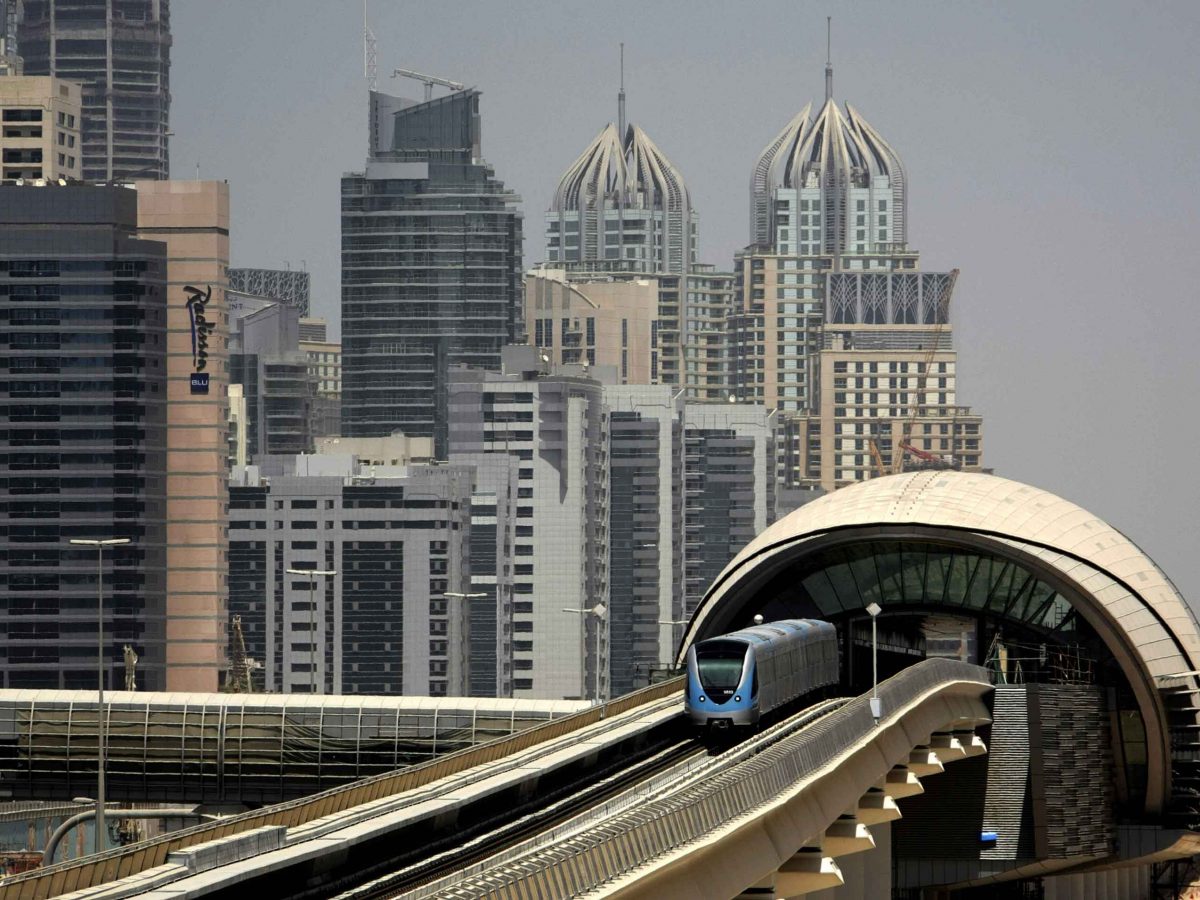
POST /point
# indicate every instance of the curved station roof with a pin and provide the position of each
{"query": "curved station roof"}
(945, 542)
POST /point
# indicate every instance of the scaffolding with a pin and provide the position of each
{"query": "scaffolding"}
(1015, 662)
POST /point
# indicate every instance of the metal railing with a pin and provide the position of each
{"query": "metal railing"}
(651, 830)
(125, 861)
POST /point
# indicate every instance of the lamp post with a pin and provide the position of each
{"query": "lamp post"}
(599, 611)
(311, 575)
(101, 724)
(876, 709)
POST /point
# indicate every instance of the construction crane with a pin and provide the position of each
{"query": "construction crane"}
(941, 319)
(131, 661)
(428, 80)
(877, 467)
(240, 667)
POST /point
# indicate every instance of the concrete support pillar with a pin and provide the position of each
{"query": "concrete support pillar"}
(948, 747)
(877, 806)
(760, 890)
(923, 761)
(901, 783)
(809, 871)
(877, 865)
(972, 743)
(846, 836)
(854, 874)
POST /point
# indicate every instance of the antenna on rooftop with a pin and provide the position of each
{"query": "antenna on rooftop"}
(621, 98)
(370, 56)
(828, 58)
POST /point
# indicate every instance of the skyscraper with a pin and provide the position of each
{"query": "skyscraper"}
(431, 265)
(120, 51)
(621, 218)
(84, 382)
(556, 427)
(192, 219)
(622, 206)
(835, 326)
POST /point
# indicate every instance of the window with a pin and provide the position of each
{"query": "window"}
(23, 115)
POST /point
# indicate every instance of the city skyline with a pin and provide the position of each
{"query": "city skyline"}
(1054, 153)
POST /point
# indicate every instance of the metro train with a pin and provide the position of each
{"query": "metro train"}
(735, 679)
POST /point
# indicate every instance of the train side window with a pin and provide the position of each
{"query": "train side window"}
(754, 684)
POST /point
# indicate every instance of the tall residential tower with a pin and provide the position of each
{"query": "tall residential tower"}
(431, 265)
(836, 326)
(120, 51)
(620, 227)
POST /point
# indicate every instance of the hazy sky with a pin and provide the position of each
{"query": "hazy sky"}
(1052, 152)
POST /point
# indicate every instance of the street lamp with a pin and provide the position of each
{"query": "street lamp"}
(101, 724)
(311, 575)
(876, 708)
(599, 611)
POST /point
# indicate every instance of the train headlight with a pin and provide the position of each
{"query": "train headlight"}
(737, 699)
(701, 698)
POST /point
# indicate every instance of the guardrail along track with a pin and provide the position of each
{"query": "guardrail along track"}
(636, 788)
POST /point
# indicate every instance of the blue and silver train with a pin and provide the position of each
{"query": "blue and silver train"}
(735, 679)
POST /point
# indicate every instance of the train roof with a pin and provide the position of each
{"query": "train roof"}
(770, 631)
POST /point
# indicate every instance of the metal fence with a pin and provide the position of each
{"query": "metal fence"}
(126, 861)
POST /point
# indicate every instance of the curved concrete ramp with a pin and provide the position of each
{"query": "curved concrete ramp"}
(787, 810)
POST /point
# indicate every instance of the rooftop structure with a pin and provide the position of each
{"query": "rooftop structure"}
(623, 206)
(288, 286)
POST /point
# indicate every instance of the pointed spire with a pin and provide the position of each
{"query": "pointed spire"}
(828, 58)
(621, 98)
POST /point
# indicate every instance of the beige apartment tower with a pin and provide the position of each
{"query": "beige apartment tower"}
(40, 135)
(192, 219)
(596, 320)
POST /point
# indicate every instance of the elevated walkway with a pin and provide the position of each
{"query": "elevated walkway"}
(249, 749)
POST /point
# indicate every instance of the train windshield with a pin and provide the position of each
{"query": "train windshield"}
(720, 665)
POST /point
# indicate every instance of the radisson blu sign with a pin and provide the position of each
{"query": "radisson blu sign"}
(197, 300)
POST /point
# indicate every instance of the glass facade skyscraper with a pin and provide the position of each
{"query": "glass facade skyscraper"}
(120, 51)
(431, 266)
(83, 407)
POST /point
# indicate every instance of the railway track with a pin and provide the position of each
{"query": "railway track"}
(567, 804)
(687, 757)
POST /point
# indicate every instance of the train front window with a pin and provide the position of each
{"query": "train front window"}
(719, 665)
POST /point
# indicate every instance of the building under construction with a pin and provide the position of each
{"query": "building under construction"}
(120, 52)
